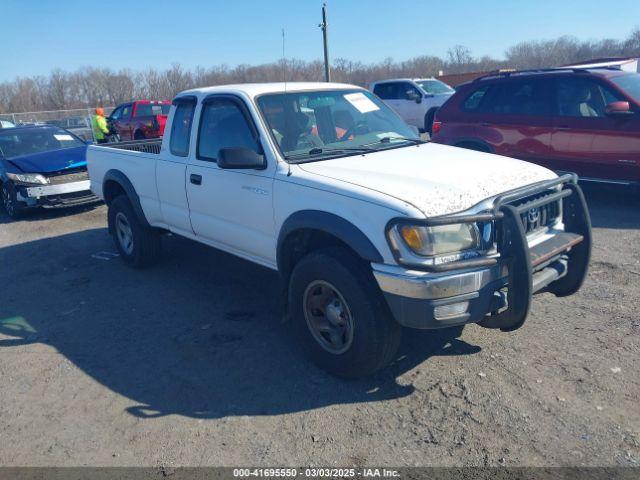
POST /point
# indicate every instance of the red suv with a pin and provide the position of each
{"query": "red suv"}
(573, 120)
(141, 119)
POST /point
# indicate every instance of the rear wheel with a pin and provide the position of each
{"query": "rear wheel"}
(339, 314)
(10, 203)
(138, 245)
(428, 121)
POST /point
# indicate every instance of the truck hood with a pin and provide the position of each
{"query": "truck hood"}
(52, 161)
(436, 179)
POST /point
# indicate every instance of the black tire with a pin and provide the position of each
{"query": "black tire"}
(144, 248)
(138, 135)
(10, 203)
(375, 334)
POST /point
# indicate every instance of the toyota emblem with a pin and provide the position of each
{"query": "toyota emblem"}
(533, 215)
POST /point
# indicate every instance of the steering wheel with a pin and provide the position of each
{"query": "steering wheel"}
(358, 129)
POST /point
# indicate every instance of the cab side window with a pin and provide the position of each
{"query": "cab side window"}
(386, 91)
(407, 91)
(126, 111)
(521, 97)
(181, 128)
(582, 97)
(116, 114)
(223, 125)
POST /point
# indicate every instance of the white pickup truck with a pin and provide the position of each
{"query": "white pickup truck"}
(370, 228)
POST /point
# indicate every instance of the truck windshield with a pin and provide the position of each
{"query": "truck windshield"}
(17, 142)
(434, 87)
(630, 84)
(308, 125)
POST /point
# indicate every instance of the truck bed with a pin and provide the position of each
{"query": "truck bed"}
(152, 145)
(137, 161)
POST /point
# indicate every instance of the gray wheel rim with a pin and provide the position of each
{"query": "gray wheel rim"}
(328, 317)
(124, 233)
(7, 202)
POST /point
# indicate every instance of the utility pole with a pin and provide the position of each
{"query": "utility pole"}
(325, 38)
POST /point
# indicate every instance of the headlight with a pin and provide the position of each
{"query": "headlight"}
(28, 178)
(440, 240)
(416, 244)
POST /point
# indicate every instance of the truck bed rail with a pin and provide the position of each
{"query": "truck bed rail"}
(147, 146)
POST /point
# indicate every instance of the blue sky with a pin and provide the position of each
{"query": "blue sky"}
(39, 35)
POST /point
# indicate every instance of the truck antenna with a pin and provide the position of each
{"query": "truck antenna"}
(284, 62)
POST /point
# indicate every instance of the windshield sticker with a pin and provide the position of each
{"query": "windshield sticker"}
(62, 137)
(361, 102)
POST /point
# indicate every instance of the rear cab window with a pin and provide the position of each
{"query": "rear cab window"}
(152, 109)
(181, 127)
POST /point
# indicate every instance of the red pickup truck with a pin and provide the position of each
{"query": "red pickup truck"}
(140, 119)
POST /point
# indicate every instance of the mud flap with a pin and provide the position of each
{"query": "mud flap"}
(576, 220)
(515, 248)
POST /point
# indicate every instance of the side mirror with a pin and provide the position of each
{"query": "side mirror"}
(413, 95)
(241, 158)
(618, 109)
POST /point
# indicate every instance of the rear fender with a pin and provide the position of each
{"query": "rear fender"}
(123, 181)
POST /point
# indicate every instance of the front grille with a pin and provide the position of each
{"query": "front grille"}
(538, 217)
(77, 176)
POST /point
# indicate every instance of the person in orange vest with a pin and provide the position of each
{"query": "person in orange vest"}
(99, 126)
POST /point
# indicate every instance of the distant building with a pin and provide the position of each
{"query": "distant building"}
(455, 79)
(626, 64)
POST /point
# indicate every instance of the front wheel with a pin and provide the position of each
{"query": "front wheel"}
(138, 245)
(10, 203)
(340, 315)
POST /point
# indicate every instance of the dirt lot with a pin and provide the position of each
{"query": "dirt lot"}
(189, 363)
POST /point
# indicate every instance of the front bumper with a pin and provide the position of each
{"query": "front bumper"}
(496, 292)
(64, 194)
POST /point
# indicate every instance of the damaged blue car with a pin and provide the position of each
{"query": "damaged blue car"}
(42, 166)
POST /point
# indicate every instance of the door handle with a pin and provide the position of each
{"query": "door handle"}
(195, 179)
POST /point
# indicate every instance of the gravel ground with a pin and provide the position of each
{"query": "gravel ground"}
(189, 363)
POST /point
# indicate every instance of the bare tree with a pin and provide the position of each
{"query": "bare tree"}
(89, 86)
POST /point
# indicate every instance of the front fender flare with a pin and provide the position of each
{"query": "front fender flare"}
(331, 224)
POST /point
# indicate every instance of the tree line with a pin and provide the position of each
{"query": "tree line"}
(90, 86)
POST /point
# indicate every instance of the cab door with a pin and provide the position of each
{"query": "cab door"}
(588, 141)
(121, 121)
(513, 117)
(391, 94)
(171, 169)
(411, 104)
(230, 209)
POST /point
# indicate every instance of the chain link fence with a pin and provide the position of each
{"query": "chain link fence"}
(77, 121)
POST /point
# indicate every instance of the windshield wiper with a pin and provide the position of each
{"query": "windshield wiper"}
(320, 150)
(414, 141)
